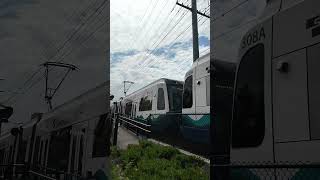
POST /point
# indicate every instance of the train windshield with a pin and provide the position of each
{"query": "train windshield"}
(175, 97)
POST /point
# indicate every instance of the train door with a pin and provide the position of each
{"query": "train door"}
(58, 152)
(202, 100)
(128, 109)
(77, 151)
(189, 117)
(161, 101)
(252, 136)
(2, 156)
(44, 153)
(160, 107)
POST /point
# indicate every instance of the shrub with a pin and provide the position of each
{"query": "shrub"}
(152, 161)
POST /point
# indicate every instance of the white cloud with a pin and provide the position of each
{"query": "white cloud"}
(139, 24)
(152, 69)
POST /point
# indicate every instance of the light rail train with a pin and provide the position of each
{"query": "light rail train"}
(68, 142)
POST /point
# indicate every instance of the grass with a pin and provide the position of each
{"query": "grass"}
(155, 162)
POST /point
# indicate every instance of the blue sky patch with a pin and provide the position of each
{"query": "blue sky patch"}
(204, 41)
(117, 56)
(168, 51)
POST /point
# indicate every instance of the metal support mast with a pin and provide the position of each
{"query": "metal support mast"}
(50, 92)
(124, 87)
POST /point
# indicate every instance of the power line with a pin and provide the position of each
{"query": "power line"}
(145, 25)
(183, 15)
(170, 21)
(140, 22)
(179, 19)
(78, 29)
(147, 29)
(70, 37)
(230, 10)
(179, 35)
(39, 69)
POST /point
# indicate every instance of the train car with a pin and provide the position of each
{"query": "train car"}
(196, 102)
(158, 104)
(275, 110)
(72, 139)
(68, 142)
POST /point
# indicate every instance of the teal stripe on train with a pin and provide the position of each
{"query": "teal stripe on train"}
(281, 173)
(203, 122)
(161, 122)
(194, 130)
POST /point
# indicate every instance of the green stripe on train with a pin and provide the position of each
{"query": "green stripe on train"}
(204, 121)
(282, 173)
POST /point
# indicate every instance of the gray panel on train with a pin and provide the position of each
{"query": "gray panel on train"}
(314, 89)
(290, 98)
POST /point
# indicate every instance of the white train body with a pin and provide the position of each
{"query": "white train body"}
(70, 139)
(276, 100)
(158, 104)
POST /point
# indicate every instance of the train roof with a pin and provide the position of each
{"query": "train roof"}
(89, 104)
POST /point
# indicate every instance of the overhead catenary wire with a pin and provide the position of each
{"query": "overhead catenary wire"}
(77, 30)
(145, 24)
(227, 12)
(141, 26)
(32, 74)
(156, 18)
(186, 29)
(160, 40)
(172, 42)
(170, 46)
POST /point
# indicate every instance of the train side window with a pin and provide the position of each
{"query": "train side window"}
(160, 100)
(58, 158)
(187, 93)
(248, 125)
(145, 104)
(101, 132)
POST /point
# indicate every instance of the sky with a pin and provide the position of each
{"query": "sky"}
(152, 39)
(146, 45)
(149, 39)
(32, 32)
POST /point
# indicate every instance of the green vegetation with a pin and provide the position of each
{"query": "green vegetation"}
(151, 161)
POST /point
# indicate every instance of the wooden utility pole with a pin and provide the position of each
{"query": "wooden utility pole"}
(195, 36)
(195, 40)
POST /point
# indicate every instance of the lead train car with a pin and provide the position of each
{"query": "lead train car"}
(278, 72)
(158, 104)
(72, 139)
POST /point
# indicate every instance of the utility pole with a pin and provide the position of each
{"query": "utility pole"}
(195, 40)
(124, 87)
(195, 34)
